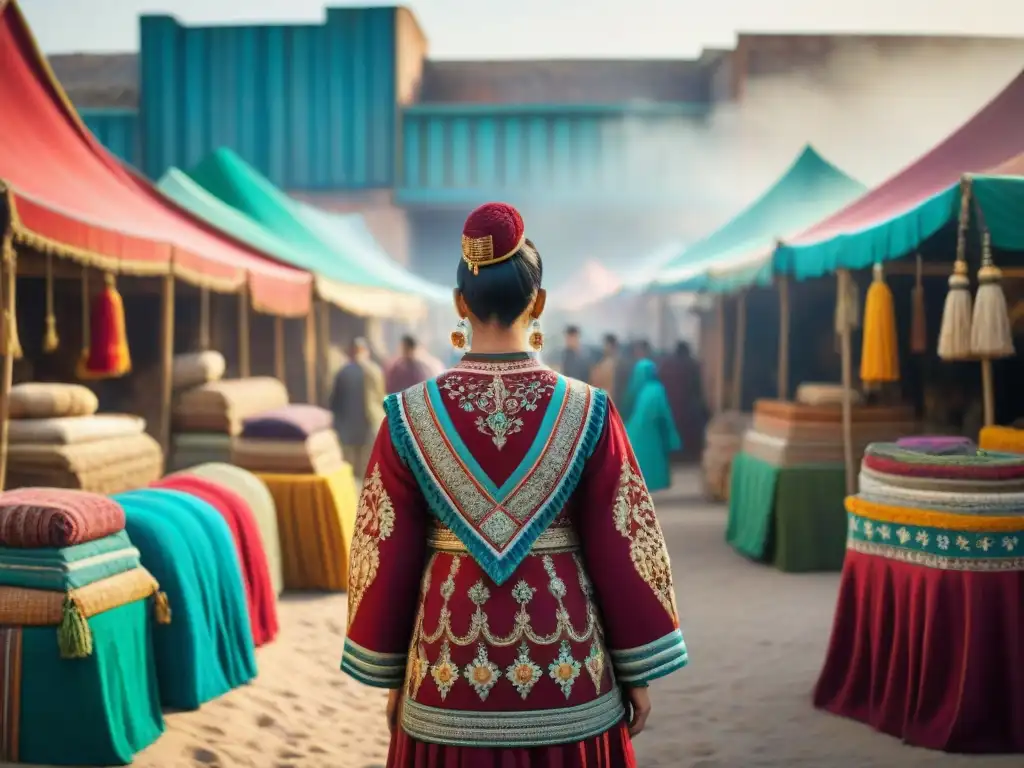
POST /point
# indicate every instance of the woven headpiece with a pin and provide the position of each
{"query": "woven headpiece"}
(492, 234)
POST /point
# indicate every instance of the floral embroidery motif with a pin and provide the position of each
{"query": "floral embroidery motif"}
(555, 586)
(482, 673)
(499, 404)
(522, 592)
(564, 669)
(523, 673)
(595, 666)
(479, 593)
(375, 522)
(444, 672)
(634, 517)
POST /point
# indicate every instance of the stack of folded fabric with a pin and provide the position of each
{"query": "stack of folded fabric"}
(74, 631)
(722, 439)
(207, 417)
(997, 438)
(789, 434)
(930, 598)
(295, 439)
(57, 440)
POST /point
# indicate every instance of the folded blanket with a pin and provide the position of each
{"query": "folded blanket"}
(943, 484)
(825, 431)
(221, 406)
(319, 454)
(67, 568)
(84, 457)
(291, 422)
(813, 393)
(784, 453)
(114, 478)
(959, 502)
(36, 400)
(997, 438)
(71, 430)
(938, 445)
(783, 409)
(49, 517)
(984, 465)
(196, 368)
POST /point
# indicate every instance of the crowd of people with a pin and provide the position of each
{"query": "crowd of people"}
(659, 397)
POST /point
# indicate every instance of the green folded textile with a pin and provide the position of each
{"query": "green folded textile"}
(64, 568)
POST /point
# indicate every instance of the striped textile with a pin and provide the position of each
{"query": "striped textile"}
(10, 692)
(999, 503)
(24, 607)
(783, 409)
(982, 465)
(942, 484)
(831, 431)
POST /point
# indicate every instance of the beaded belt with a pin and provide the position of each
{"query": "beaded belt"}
(561, 539)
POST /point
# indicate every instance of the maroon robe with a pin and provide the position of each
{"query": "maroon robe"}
(508, 572)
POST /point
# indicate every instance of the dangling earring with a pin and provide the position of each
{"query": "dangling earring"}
(462, 335)
(536, 335)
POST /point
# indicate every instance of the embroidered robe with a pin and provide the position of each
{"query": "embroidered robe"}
(508, 571)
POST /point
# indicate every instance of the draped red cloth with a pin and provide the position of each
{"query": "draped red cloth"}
(934, 657)
(252, 558)
(611, 749)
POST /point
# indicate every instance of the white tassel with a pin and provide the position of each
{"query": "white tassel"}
(991, 335)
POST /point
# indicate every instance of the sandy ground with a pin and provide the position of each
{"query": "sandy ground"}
(757, 638)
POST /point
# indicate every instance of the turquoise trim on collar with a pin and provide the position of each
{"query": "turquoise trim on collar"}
(499, 566)
(547, 425)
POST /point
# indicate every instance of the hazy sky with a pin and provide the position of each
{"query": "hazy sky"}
(544, 28)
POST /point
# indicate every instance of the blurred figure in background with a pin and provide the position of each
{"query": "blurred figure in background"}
(408, 369)
(357, 401)
(575, 360)
(650, 426)
(604, 375)
(640, 351)
(680, 373)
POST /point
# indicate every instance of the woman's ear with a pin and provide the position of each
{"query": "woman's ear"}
(539, 304)
(461, 309)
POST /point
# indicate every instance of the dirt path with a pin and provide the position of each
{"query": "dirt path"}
(757, 639)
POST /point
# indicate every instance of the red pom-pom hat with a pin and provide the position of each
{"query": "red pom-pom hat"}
(492, 234)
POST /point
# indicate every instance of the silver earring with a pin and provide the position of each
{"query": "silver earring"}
(536, 336)
(462, 336)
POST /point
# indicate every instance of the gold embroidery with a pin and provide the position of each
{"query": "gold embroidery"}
(481, 673)
(444, 672)
(554, 539)
(375, 521)
(564, 669)
(499, 404)
(635, 520)
(595, 666)
(523, 673)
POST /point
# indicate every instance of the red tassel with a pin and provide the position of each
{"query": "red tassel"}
(107, 356)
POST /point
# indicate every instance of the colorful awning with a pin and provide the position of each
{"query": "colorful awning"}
(68, 196)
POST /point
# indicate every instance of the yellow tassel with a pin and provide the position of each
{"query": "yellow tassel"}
(879, 359)
(74, 638)
(161, 608)
(955, 331)
(918, 315)
(991, 335)
(50, 339)
(13, 342)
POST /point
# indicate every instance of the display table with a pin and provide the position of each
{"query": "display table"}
(928, 638)
(316, 517)
(791, 517)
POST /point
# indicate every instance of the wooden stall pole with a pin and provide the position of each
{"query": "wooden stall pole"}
(323, 342)
(739, 345)
(310, 352)
(279, 348)
(10, 267)
(988, 391)
(783, 338)
(720, 354)
(204, 319)
(166, 363)
(843, 278)
(244, 370)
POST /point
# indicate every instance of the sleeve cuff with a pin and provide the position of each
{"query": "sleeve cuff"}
(639, 666)
(379, 670)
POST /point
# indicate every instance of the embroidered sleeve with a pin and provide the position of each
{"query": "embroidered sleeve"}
(628, 562)
(386, 565)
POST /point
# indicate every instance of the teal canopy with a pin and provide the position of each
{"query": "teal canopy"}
(739, 252)
(1000, 198)
(347, 273)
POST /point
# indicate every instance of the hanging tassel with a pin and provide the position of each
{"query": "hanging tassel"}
(108, 356)
(879, 358)
(955, 332)
(12, 341)
(161, 608)
(83, 359)
(50, 339)
(74, 638)
(918, 315)
(991, 335)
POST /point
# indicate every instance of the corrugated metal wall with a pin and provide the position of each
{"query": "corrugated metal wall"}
(117, 130)
(461, 153)
(311, 106)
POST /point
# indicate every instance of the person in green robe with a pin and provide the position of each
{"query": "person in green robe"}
(650, 426)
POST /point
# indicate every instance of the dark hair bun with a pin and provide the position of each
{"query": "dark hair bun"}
(500, 293)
